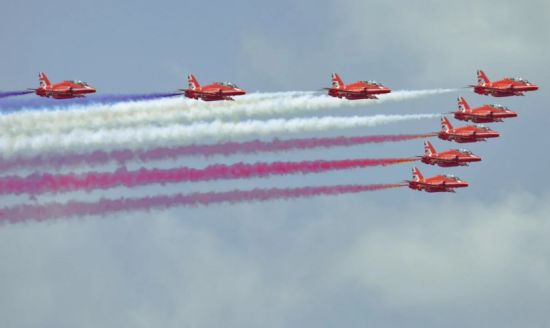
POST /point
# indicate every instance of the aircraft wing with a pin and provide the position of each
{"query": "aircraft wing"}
(61, 90)
(447, 159)
(358, 92)
(509, 88)
(437, 187)
(484, 113)
(464, 134)
(211, 92)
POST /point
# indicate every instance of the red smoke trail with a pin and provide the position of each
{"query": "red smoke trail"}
(41, 183)
(20, 213)
(255, 146)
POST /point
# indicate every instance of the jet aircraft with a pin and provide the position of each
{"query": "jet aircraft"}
(509, 86)
(438, 183)
(467, 133)
(356, 90)
(482, 114)
(448, 158)
(62, 90)
(211, 92)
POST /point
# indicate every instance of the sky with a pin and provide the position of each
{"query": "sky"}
(477, 258)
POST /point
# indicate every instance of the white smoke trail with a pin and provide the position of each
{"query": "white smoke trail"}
(97, 115)
(176, 134)
(181, 110)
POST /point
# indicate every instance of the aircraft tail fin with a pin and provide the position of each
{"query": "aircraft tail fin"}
(446, 124)
(193, 83)
(463, 105)
(482, 79)
(416, 174)
(337, 81)
(429, 148)
(44, 81)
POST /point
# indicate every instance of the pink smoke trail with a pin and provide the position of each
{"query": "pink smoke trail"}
(21, 213)
(57, 161)
(42, 183)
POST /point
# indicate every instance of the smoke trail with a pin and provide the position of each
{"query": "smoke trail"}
(56, 161)
(184, 111)
(56, 118)
(21, 213)
(14, 93)
(176, 134)
(44, 183)
(42, 103)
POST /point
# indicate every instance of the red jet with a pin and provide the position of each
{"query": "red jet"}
(451, 157)
(467, 133)
(356, 90)
(62, 90)
(503, 88)
(482, 114)
(438, 183)
(211, 92)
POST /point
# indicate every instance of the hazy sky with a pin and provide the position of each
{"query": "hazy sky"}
(477, 258)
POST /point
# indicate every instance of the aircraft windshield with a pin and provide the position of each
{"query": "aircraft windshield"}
(498, 106)
(452, 176)
(228, 84)
(519, 79)
(81, 83)
(465, 151)
(373, 82)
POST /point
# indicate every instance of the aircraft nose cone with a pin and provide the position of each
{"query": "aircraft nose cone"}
(238, 91)
(461, 184)
(475, 158)
(491, 133)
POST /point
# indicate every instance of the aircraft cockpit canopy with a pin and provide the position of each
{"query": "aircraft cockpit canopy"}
(374, 83)
(498, 106)
(81, 83)
(228, 84)
(519, 79)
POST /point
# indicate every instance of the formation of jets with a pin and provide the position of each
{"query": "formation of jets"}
(489, 113)
(469, 133)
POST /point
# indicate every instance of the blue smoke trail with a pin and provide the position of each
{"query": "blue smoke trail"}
(14, 93)
(9, 105)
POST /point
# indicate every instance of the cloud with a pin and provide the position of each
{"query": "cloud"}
(423, 44)
(441, 36)
(288, 266)
(444, 258)
(143, 272)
